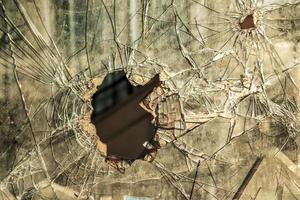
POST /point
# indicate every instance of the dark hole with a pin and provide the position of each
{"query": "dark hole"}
(248, 22)
(120, 121)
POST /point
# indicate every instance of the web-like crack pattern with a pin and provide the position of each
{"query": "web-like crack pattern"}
(230, 92)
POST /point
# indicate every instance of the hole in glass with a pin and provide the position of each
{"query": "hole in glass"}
(248, 22)
(121, 123)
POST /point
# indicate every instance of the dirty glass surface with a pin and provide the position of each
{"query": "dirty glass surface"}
(227, 111)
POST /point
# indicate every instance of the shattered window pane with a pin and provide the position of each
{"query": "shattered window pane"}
(225, 115)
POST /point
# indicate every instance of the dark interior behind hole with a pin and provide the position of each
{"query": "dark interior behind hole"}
(120, 121)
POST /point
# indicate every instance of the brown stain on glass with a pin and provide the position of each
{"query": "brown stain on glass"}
(121, 123)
